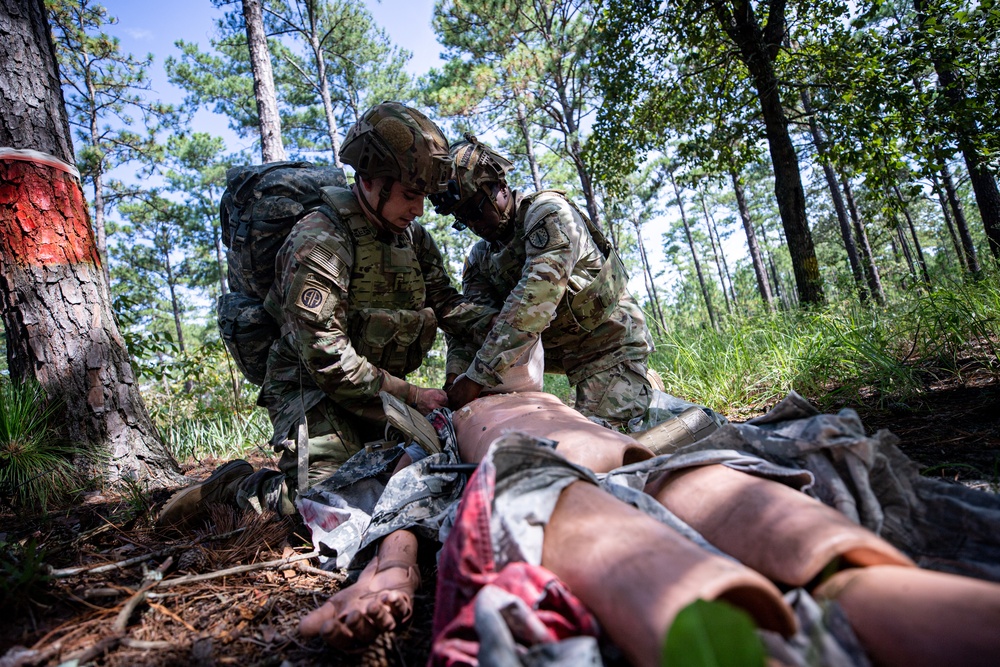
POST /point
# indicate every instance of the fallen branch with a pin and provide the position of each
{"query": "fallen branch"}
(107, 567)
(239, 569)
(140, 596)
(147, 645)
(135, 560)
(336, 576)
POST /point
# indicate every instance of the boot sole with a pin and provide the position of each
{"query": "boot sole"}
(190, 497)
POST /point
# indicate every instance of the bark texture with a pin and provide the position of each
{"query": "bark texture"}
(758, 47)
(28, 120)
(271, 147)
(55, 301)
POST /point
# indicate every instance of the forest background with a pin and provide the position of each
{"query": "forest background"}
(804, 191)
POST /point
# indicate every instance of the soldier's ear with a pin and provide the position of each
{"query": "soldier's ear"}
(502, 198)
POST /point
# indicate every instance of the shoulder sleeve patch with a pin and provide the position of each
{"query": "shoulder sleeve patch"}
(311, 297)
(329, 256)
(539, 237)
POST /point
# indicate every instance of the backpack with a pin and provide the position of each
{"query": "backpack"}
(258, 209)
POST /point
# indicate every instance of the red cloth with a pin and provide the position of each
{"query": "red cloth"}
(466, 564)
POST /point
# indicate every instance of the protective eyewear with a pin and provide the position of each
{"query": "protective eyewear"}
(468, 213)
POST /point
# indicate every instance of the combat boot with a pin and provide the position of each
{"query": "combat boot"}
(193, 500)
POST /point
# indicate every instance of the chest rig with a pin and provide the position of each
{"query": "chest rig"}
(503, 268)
(387, 320)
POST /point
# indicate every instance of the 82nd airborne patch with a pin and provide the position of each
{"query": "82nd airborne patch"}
(312, 297)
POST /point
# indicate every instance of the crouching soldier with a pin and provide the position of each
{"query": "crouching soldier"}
(555, 279)
(360, 289)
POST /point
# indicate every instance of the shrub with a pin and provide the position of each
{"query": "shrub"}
(35, 467)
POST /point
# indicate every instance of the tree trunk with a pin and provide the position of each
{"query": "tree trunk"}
(324, 85)
(715, 252)
(647, 273)
(966, 133)
(949, 224)
(694, 255)
(56, 304)
(913, 233)
(838, 200)
(529, 145)
(971, 257)
(779, 289)
(763, 287)
(98, 176)
(758, 49)
(868, 257)
(175, 305)
(907, 253)
(220, 261)
(271, 147)
(713, 229)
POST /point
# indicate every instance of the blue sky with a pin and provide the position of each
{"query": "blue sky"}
(145, 27)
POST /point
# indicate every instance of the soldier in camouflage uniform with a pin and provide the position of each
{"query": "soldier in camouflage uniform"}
(360, 289)
(541, 261)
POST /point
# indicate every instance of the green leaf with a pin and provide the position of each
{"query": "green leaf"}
(712, 634)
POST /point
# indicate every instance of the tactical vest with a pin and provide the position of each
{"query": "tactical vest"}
(387, 320)
(590, 306)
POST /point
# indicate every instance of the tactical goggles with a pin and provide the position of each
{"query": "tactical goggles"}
(447, 203)
(469, 212)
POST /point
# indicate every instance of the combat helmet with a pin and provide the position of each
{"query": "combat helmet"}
(477, 167)
(401, 144)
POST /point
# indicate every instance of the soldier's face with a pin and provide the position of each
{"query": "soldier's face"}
(402, 207)
(483, 217)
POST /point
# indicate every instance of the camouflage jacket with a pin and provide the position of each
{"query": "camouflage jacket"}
(536, 279)
(355, 306)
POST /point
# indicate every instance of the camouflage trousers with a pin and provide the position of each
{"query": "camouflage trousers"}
(615, 395)
(335, 435)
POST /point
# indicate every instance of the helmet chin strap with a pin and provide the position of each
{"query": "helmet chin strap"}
(383, 197)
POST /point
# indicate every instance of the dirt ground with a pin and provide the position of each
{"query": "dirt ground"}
(121, 616)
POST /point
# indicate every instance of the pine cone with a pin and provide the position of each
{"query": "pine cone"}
(382, 652)
(193, 560)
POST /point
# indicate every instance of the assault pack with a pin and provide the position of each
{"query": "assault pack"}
(258, 209)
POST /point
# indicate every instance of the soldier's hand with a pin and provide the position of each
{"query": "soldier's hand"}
(430, 399)
(450, 380)
(463, 391)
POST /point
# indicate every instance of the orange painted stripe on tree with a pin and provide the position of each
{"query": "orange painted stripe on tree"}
(43, 215)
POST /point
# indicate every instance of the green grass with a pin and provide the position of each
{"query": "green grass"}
(221, 437)
(844, 352)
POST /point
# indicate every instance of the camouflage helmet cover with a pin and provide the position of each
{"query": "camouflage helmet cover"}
(477, 166)
(399, 143)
